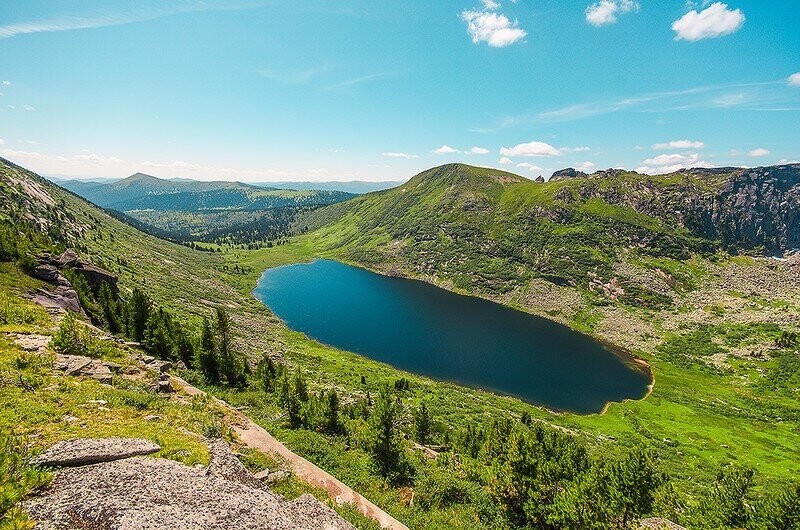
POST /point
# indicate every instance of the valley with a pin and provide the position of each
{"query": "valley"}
(715, 329)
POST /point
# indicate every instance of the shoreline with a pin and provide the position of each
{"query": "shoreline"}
(627, 357)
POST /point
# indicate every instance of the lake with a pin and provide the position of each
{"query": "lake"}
(433, 332)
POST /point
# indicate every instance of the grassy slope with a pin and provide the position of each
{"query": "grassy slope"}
(693, 427)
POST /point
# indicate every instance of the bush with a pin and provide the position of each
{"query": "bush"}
(17, 479)
(442, 487)
(72, 337)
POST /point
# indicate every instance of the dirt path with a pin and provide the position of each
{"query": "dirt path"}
(256, 437)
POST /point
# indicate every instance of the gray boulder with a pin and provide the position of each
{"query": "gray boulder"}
(87, 451)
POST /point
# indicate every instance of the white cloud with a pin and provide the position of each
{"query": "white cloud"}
(505, 161)
(530, 149)
(530, 167)
(679, 144)
(794, 79)
(445, 150)
(495, 29)
(6, 83)
(478, 151)
(2, 142)
(787, 161)
(605, 11)
(714, 21)
(490, 4)
(395, 154)
(668, 163)
(586, 167)
(28, 107)
(755, 153)
(581, 149)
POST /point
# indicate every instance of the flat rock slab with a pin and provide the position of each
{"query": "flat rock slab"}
(86, 451)
(154, 493)
(32, 342)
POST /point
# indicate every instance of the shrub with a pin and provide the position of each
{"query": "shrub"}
(17, 479)
(72, 337)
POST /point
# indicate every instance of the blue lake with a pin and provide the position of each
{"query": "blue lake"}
(426, 330)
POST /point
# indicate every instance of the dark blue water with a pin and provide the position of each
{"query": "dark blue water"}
(430, 331)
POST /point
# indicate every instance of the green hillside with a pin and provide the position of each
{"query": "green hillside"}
(717, 330)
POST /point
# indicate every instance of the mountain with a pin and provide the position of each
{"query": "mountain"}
(350, 186)
(612, 254)
(145, 192)
(485, 230)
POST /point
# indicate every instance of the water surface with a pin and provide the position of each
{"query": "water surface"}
(423, 329)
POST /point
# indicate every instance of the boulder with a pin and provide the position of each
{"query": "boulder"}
(96, 276)
(68, 259)
(79, 365)
(48, 273)
(146, 493)
(87, 451)
(567, 174)
(539, 179)
(657, 523)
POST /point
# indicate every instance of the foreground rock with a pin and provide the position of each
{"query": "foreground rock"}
(86, 451)
(152, 493)
(656, 523)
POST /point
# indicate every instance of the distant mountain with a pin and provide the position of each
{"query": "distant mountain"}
(146, 192)
(351, 186)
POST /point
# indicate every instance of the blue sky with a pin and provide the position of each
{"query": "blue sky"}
(260, 90)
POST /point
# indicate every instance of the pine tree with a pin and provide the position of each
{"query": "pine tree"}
(139, 308)
(332, 422)
(386, 443)
(206, 355)
(422, 424)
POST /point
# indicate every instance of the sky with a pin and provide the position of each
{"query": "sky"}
(260, 90)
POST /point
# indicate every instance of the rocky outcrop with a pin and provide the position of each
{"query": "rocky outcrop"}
(146, 493)
(79, 365)
(87, 451)
(567, 174)
(756, 208)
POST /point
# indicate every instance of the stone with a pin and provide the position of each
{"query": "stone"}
(87, 451)
(225, 465)
(32, 342)
(114, 367)
(567, 174)
(48, 273)
(539, 179)
(68, 259)
(71, 364)
(657, 523)
(145, 493)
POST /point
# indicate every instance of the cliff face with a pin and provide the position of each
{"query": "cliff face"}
(744, 208)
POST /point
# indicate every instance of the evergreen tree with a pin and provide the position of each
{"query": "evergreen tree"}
(206, 355)
(422, 424)
(332, 422)
(158, 335)
(782, 512)
(725, 505)
(110, 307)
(139, 308)
(386, 444)
(231, 366)
(633, 481)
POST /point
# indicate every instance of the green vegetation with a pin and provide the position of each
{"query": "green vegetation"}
(716, 404)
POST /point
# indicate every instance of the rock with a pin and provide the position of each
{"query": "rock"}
(100, 373)
(225, 465)
(152, 417)
(567, 174)
(164, 385)
(114, 367)
(78, 365)
(61, 299)
(87, 451)
(71, 364)
(539, 179)
(656, 523)
(149, 493)
(68, 259)
(47, 273)
(32, 342)
(97, 276)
